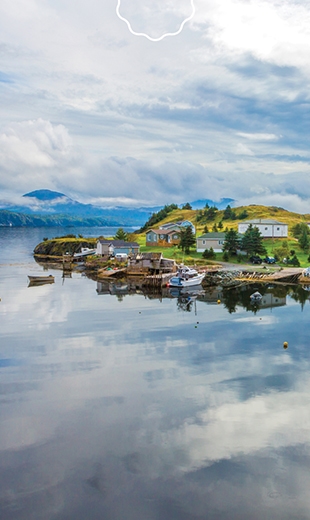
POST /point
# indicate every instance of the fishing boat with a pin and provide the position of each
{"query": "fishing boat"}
(40, 280)
(85, 251)
(186, 277)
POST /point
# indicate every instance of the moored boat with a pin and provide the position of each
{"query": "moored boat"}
(186, 277)
(85, 251)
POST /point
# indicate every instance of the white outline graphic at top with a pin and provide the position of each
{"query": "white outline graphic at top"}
(146, 35)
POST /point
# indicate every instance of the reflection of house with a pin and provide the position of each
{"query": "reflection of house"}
(111, 247)
(269, 228)
(162, 237)
(177, 226)
(151, 262)
(269, 300)
(214, 240)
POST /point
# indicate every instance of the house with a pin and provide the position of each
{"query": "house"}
(112, 247)
(151, 262)
(214, 240)
(177, 226)
(269, 228)
(162, 237)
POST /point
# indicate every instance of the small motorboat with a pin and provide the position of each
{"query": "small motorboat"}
(85, 251)
(186, 277)
(40, 280)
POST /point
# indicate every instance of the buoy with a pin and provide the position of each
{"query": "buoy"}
(285, 344)
(218, 301)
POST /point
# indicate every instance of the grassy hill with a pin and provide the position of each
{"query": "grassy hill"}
(254, 212)
(200, 220)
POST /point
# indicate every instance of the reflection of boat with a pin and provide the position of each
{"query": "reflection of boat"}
(40, 280)
(256, 297)
(186, 277)
(176, 292)
(85, 251)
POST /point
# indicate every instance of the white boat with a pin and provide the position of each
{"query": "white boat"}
(186, 277)
(85, 251)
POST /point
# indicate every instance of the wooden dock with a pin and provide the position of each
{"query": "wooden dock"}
(287, 275)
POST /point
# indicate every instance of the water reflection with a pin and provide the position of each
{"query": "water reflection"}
(118, 403)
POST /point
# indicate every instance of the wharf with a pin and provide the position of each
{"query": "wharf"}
(287, 275)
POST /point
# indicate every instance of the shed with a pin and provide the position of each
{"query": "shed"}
(111, 247)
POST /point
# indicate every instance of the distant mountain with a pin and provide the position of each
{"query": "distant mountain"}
(221, 204)
(47, 206)
(46, 195)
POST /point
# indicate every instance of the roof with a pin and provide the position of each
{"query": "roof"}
(179, 224)
(118, 243)
(162, 231)
(263, 221)
(150, 256)
(213, 235)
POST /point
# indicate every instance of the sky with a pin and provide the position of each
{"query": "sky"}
(220, 108)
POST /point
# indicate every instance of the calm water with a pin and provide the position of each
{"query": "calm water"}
(117, 405)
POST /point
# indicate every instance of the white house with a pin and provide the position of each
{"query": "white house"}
(269, 228)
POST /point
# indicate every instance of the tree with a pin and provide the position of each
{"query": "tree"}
(252, 242)
(187, 206)
(244, 214)
(211, 212)
(220, 224)
(209, 254)
(299, 228)
(121, 235)
(214, 227)
(187, 239)
(232, 242)
(303, 240)
(229, 213)
(206, 229)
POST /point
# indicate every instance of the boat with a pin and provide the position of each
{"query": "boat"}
(85, 251)
(40, 280)
(186, 277)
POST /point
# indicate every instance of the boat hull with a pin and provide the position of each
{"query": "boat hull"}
(39, 280)
(175, 281)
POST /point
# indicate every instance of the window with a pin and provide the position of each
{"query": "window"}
(203, 242)
(266, 228)
(278, 229)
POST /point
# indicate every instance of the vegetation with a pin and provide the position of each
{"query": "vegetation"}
(62, 245)
(187, 239)
(157, 217)
(232, 242)
(121, 235)
(252, 242)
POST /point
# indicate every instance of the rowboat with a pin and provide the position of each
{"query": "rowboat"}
(40, 280)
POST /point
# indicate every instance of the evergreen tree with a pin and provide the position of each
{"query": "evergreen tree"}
(229, 214)
(187, 206)
(232, 242)
(187, 239)
(252, 242)
(303, 240)
(206, 229)
(214, 227)
(220, 224)
(121, 235)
